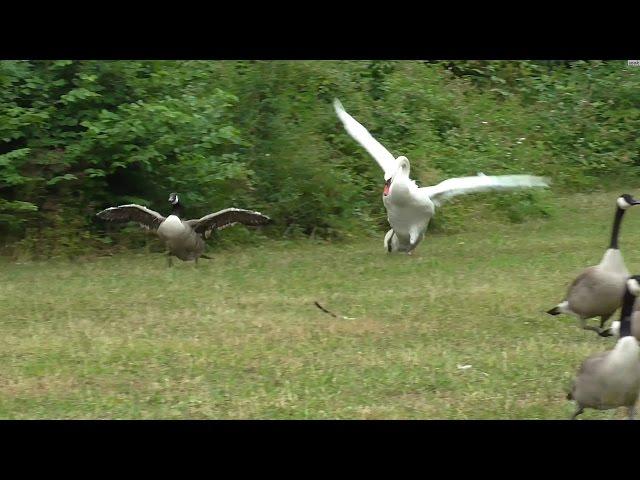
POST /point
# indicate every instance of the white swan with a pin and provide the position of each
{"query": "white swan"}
(409, 207)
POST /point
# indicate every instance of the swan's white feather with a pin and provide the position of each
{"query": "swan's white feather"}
(360, 134)
(452, 187)
(409, 208)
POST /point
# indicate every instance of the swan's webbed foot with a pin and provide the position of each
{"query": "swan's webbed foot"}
(412, 247)
(388, 244)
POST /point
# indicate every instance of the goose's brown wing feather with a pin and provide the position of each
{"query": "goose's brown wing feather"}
(592, 363)
(226, 218)
(133, 213)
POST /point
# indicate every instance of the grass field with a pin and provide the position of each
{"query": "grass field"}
(239, 336)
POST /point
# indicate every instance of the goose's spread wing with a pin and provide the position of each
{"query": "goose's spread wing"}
(592, 363)
(360, 134)
(133, 213)
(452, 187)
(226, 218)
(585, 378)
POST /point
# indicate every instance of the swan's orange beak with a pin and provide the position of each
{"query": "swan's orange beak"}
(387, 185)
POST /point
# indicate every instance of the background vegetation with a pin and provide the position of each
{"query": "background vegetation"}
(77, 136)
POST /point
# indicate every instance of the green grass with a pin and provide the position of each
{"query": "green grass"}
(239, 336)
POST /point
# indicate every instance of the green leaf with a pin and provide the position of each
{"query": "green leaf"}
(62, 63)
(67, 176)
(95, 172)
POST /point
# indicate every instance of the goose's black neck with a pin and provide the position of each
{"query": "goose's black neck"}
(625, 315)
(176, 209)
(615, 232)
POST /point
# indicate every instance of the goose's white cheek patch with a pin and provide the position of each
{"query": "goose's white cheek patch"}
(615, 328)
(564, 307)
(633, 286)
(622, 203)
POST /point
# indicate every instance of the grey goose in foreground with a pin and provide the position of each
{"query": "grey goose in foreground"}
(612, 379)
(598, 290)
(184, 239)
(635, 324)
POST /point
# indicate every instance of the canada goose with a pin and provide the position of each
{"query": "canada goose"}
(598, 290)
(185, 239)
(410, 208)
(612, 379)
(614, 330)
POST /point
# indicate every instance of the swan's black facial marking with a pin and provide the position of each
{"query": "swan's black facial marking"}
(387, 185)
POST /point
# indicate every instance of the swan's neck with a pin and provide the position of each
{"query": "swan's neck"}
(403, 169)
(400, 186)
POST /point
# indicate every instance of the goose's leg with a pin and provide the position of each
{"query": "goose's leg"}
(578, 411)
(169, 260)
(584, 326)
(605, 333)
(632, 412)
(603, 320)
(594, 329)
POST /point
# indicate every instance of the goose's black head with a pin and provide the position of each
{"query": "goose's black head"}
(176, 206)
(625, 201)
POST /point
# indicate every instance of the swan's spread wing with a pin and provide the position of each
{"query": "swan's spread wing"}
(452, 187)
(226, 218)
(133, 213)
(360, 134)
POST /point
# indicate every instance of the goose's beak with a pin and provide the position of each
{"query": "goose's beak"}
(387, 185)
